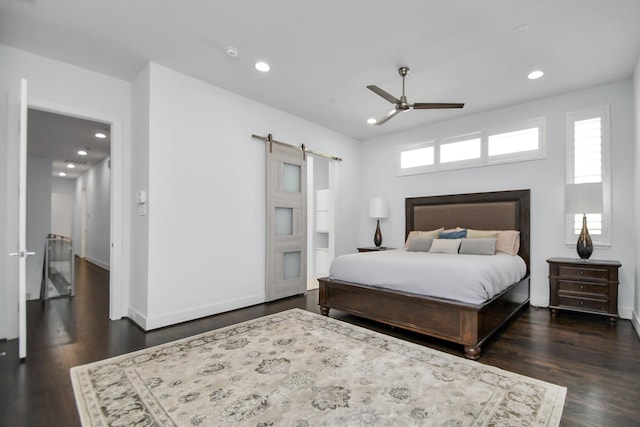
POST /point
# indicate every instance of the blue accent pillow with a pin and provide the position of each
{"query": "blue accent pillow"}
(461, 234)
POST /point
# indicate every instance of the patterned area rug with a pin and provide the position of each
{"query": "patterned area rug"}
(297, 368)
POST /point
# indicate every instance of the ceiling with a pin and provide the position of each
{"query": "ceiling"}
(58, 137)
(323, 54)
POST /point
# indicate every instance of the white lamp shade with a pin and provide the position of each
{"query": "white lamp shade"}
(583, 198)
(378, 208)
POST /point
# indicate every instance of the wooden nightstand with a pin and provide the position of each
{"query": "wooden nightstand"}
(586, 286)
(374, 249)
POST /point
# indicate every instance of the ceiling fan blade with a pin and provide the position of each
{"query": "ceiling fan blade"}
(434, 105)
(392, 99)
(388, 116)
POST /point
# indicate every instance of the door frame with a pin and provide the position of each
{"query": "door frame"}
(312, 274)
(83, 223)
(118, 265)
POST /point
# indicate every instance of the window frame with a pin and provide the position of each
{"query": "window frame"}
(538, 153)
(459, 164)
(416, 169)
(604, 113)
(484, 159)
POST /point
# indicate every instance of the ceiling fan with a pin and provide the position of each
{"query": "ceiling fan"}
(402, 105)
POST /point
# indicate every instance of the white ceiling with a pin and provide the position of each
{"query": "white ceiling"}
(59, 138)
(323, 54)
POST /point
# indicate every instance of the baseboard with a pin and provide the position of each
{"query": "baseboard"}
(156, 322)
(137, 318)
(625, 312)
(538, 300)
(98, 263)
(635, 321)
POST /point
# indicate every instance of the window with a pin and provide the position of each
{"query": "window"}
(460, 149)
(417, 158)
(514, 142)
(509, 143)
(587, 161)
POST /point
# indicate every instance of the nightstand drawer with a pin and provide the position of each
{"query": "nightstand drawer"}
(583, 272)
(583, 288)
(587, 286)
(583, 303)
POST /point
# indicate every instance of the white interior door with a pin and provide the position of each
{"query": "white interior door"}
(286, 240)
(22, 225)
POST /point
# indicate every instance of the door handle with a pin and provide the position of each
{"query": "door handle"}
(22, 254)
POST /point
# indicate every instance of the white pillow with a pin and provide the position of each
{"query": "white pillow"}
(445, 246)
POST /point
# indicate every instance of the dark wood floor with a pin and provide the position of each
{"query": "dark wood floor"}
(599, 363)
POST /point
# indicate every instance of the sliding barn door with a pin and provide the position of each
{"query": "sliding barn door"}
(286, 250)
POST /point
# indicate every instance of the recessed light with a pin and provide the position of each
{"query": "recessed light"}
(71, 165)
(82, 153)
(262, 66)
(62, 174)
(372, 121)
(535, 74)
(101, 135)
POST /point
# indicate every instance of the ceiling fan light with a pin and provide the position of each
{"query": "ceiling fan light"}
(371, 121)
(71, 165)
(100, 135)
(402, 105)
(82, 153)
(62, 174)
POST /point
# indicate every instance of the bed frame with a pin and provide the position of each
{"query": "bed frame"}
(467, 324)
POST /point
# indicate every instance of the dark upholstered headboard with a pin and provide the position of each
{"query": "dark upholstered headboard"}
(500, 210)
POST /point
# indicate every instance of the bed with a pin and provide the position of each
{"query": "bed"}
(469, 324)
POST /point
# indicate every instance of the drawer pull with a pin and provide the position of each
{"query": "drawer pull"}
(581, 272)
(581, 302)
(582, 287)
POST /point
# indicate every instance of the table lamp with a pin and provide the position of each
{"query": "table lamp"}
(378, 209)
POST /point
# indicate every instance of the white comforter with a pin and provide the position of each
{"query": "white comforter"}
(467, 278)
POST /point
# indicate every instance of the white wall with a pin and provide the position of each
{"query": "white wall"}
(63, 185)
(38, 219)
(636, 198)
(545, 178)
(62, 206)
(206, 195)
(138, 292)
(56, 83)
(97, 183)
(62, 214)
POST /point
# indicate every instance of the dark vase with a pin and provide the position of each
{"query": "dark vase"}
(377, 238)
(584, 245)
